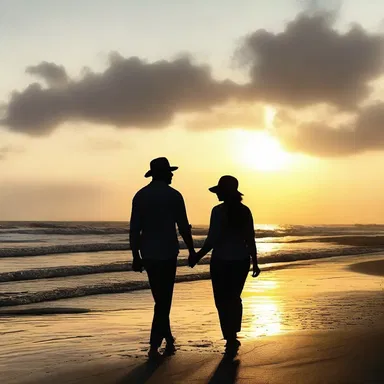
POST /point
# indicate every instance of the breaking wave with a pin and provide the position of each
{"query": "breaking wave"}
(78, 270)
(122, 228)
(73, 248)
(20, 298)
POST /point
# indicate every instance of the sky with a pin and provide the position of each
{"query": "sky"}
(286, 95)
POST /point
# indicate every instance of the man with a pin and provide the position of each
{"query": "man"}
(156, 209)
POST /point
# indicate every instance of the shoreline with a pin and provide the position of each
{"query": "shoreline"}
(301, 358)
(301, 325)
(108, 281)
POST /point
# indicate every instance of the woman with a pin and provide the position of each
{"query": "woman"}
(231, 236)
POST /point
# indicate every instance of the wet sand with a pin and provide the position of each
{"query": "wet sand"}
(302, 358)
(319, 322)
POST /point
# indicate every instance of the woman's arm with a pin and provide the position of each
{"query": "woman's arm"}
(207, 247)
(251, 244)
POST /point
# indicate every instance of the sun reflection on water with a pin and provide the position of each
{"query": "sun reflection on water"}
(266, 248)
(267, 227)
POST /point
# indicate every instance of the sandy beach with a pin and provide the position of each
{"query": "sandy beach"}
(176, 131)
(312, 322)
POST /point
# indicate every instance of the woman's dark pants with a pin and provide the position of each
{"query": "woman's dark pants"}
(228, 278)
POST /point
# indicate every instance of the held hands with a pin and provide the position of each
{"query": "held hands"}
(192, 259)
(137, 265)
(256, 270)
(195, 258)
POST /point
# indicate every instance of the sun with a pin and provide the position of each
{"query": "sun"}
(261, 151)
(269, 116)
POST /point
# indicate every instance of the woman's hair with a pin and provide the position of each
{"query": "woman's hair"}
(235, 212)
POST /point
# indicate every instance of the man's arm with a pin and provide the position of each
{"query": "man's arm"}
(212, 236)
(135, 228)
(183, 224)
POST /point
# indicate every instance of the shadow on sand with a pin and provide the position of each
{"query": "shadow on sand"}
(142, 373)
(226, 372)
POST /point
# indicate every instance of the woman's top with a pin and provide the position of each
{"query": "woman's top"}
(229, 241)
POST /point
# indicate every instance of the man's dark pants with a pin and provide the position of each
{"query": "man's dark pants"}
(228, 278)
(161, 276)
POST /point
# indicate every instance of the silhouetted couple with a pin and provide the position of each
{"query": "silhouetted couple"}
(156, 210)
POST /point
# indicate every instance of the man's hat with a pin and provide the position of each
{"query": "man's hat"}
(228, 185)
(159, 165)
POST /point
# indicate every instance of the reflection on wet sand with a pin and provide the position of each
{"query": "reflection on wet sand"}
(266, 319)
(262, 315)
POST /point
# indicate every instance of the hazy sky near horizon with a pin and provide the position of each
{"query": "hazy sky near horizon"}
(286, 95)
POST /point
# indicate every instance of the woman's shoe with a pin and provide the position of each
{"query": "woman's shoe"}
(232, 347)
(170, 348)
(153, 353)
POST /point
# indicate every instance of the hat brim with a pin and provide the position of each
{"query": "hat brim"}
(216, 189)
(150, 173)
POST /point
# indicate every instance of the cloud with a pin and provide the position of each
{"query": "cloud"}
(364, 133)
(28, 200)
(129, 93)
(103, 144)
(230, 115)
(312, 6)
(307, 65)
(55, 75)
(6, 150)
(311, 62)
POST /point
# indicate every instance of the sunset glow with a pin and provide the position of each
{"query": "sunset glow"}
(261, 151)
(143, 144)
(83, 116)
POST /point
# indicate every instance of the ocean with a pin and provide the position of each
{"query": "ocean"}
(45, 261)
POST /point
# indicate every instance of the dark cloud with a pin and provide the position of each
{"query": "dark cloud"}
(311, 62)
(129, 93)
(55, 75)
(307, 65)
(365, 133)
